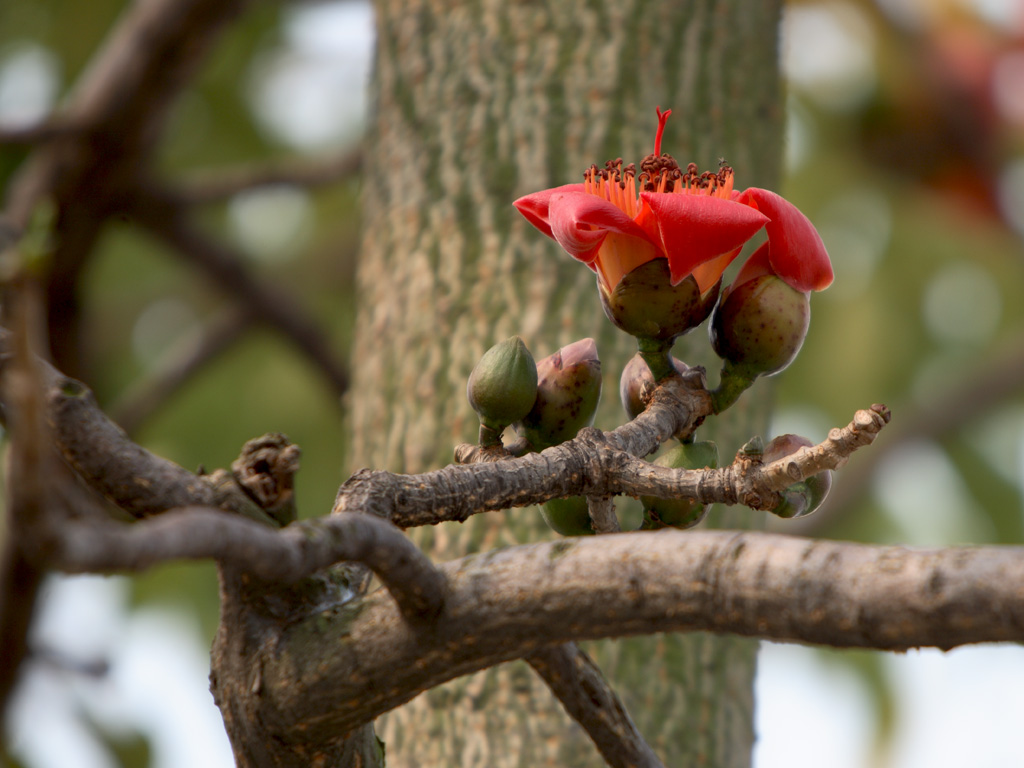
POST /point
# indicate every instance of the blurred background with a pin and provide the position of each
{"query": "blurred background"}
(905, 146)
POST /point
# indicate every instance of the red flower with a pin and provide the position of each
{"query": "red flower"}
(694, 220)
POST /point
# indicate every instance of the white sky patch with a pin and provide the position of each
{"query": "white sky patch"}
(808, 714)
(962, 708)
(828, 53)
(157, 684)
(29, 83)
(311, 91)
(272, 223)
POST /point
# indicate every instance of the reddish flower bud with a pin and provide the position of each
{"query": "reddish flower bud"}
(680, 513)
(568, 391)
(636, 380)
(760, 325)
(801, 498)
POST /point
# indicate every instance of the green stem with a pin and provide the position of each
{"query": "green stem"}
(655, 353)
(732, 384)
(489, 436)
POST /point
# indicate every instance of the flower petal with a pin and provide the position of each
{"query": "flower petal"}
(694, 229)
(581, 221)
(757, 264)
(796, 252)
(535, 206)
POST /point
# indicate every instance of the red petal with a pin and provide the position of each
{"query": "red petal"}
(796, 252)
(580, 221)
(696, 228)
(755, 266)
(535, 206)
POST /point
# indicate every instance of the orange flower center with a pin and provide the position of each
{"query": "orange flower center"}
(659, 173)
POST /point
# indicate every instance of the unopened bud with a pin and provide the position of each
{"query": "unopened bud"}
(645, 304)
(569, 517)
(801, 498)
(503, 386)
(636, 381)
(568, 392)
(760, 325)
(680, 513)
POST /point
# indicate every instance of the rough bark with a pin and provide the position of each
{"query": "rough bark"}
(477, 103)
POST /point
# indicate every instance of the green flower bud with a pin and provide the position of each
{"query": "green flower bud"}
(680, 513)
(760, 325)
(568, 517)
(568, 391)
(806, 496)
(636, 378)
(646, 304)
(503, 386)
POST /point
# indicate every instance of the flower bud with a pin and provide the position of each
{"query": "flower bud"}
(568, 391)
(636, 380)
(503, 386)
(569, 517)
(646, 304)
(680, 513)
(806, 496)
(760, 325)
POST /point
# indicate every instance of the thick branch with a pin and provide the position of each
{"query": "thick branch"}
(508, 604)
(579, 685)
(272, 555)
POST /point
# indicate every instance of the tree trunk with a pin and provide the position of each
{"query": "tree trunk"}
(475, 104)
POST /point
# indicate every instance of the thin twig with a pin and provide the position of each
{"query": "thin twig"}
(166, 218)
(177, 367)
(578, 683)
(602, 514)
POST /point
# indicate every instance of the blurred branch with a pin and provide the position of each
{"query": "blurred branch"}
(222, 183)
(982, 388)
(28, 515)
(51, 128)
(578, 683)
(286, 555)
(174, 369)
(118, 106)
(166, 218)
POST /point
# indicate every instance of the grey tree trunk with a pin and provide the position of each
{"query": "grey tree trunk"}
(475, 104)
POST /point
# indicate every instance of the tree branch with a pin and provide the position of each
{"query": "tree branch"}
(172, 371)
(285, 555)
(592, 464)
(165, 217)
(222, 183)
(579, 685)
(508, 604)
